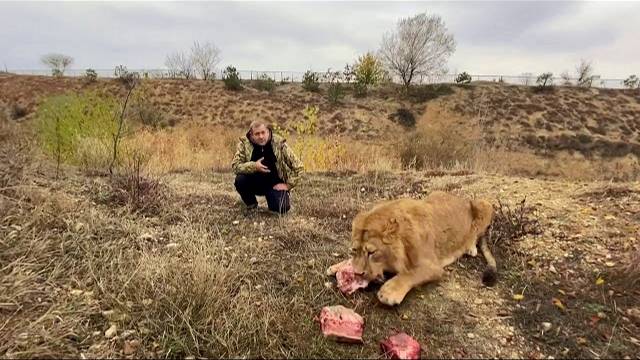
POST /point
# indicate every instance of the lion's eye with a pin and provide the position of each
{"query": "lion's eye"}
(353, 251)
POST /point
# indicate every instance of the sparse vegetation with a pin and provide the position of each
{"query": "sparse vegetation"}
(58, 63)
(265, 83)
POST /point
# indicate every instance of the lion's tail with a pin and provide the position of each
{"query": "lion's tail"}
(482, 216)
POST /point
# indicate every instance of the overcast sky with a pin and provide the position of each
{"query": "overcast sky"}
(492, 37)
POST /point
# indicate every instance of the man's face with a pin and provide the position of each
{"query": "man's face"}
(260, 135)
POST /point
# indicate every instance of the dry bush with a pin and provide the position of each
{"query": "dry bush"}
(441, 145)
(509, 225)
(130, 186)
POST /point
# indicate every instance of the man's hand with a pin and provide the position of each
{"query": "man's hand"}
(261, 167)
(281, 187)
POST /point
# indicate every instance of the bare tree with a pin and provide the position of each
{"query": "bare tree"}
(179, 65)
(585, 73)
(420, 46)
(58, 63)
(205, 58)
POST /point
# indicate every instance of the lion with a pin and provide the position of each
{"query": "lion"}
(416, 239)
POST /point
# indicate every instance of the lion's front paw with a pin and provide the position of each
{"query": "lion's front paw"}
(391, 293)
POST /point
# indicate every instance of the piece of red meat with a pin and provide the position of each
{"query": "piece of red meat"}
(341, 324)
(348, 281)
(401, 346)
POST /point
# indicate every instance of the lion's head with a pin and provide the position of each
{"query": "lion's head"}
(375, 247)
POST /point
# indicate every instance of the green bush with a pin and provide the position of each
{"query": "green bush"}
(64, 122)
(231, 79)
(335, 93)
(265, 83)
(311, 81)
(368, 70)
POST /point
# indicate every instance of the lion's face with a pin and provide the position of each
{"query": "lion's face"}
(370, 255)
(371, 250)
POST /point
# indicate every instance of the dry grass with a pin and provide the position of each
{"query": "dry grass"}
(198, 148)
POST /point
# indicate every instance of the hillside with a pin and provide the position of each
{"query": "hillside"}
(592, 122)
(167, 264)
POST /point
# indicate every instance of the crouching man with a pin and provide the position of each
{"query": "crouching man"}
(264, 165)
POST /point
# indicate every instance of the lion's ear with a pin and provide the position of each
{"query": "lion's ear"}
(390, 229)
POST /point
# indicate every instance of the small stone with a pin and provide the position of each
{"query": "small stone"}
(602, 315)
(253, 260)
(553, 269)
(146, 237)
(478, 301)
(235, 222)
(335, 255)
(111, 331)
(471, 335)
(311, 263)
(611, 292)
(610, 264)
(127, 333)
(328, 284)
(405, 317)
(546, 326)
(172, 245)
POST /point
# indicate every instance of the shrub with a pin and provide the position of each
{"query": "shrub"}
(632, 82)
(311, 81)
(90, 76)
(359, 90)
(463, 78)
(146, 112)
(544, 81)
(17, 111)
(265, 83)
(58, 63)
(335, 93)
(131, 187)
(64, 121)
(368, 70)
(231, 79)
(404, 117)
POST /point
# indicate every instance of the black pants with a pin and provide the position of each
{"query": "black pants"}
(248, 186)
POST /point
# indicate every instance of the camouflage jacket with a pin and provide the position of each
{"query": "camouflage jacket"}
(289, 166)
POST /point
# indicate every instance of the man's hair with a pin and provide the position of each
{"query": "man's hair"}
(257, 123)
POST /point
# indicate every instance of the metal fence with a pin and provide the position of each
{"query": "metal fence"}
(297, 76)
